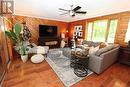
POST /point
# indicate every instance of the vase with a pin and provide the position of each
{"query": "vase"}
(24, 58)
(73, 44)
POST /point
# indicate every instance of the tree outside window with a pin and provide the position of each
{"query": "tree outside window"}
(97, 31)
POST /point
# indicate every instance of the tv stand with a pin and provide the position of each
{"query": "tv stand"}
(52, 42)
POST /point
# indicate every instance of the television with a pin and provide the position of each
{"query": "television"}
(47, 31)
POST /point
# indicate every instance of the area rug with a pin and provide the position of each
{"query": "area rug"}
(61, 65)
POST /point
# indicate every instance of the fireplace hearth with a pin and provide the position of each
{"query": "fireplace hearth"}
(52, 42)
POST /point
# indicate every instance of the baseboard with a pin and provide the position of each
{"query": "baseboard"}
(5, 72)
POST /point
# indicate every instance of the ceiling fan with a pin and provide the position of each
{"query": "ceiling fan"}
(73, 11)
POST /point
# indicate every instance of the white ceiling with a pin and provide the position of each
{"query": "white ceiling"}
(49, 9)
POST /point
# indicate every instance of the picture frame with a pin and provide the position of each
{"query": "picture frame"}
(78, 31)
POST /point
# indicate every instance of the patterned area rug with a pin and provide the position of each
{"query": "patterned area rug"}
(61, 65)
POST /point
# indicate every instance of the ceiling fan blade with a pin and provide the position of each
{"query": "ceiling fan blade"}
(63, 9)
(64, 13)
(81, 12)
(76, 8)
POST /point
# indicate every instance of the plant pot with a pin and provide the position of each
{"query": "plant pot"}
(24, 58)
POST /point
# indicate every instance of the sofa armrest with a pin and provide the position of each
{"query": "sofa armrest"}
(94, 63)
(109, 58)
(99, 63)
(110, 52)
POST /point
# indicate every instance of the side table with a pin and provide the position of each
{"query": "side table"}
(124, 55)
(80, 64)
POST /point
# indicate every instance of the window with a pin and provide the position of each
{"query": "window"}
(127, 36)
(112, 31)
(97, 30)
(90, 25)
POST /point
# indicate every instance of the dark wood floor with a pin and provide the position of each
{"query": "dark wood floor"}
(41, 75)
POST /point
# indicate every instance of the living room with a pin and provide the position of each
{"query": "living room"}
(70, 43)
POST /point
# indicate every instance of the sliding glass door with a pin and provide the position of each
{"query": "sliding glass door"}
(4, 58)
(1, 69)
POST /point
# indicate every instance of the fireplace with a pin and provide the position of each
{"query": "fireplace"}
(52, 42)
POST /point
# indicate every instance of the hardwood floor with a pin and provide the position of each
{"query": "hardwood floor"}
(41, 75)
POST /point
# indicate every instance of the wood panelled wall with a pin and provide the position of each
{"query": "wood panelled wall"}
(122, 17)
(33, 25)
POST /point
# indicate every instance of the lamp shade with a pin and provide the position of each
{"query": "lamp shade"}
(62, 35)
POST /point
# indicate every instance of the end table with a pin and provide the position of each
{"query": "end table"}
(80, 64)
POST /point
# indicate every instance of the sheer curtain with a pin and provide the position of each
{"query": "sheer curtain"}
(127, 36)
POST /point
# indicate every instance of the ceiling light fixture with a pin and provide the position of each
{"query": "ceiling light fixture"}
(73, 11)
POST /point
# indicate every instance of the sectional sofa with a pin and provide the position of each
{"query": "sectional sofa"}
(103, 58)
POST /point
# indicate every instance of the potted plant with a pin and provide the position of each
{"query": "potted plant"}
(23, 51)
(16, 38)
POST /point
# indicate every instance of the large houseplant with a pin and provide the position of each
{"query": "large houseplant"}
(16, 38)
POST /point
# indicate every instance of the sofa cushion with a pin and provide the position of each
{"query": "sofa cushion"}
(92, 50)
(95, 44)
(82, 46)
(103, 45)
(103, 50)
(79, 42)
(87, 42)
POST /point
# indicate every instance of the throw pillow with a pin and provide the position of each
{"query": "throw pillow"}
(62, 45)
(92, 50)
(85, 45)
(79, 41)
(102, 45)
(86, 52)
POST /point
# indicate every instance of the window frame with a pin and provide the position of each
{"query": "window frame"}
(107, 29)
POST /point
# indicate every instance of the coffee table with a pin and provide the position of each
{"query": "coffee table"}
(80, 64)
